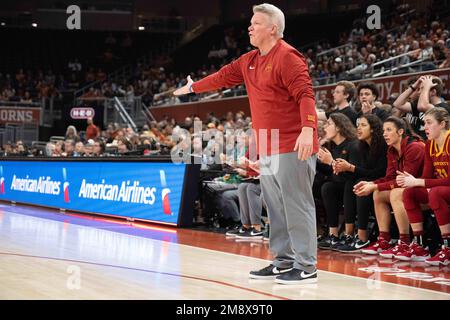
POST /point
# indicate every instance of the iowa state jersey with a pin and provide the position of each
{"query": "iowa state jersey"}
(440, 157)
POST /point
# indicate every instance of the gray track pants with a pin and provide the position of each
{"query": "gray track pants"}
(250, 203)
(286, 185)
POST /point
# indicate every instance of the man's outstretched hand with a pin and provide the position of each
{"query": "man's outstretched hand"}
(184, 89)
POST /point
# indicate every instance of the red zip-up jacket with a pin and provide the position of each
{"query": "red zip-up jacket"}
(411, 161)
(279, 90)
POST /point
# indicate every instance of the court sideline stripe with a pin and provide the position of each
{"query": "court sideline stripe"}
(148, 271)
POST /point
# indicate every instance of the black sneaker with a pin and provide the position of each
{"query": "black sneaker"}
(296, 276)
(355, 246)
(251, 233)
(266, 232)
(345, 240)
(269, 272)
(327, 242)
(236, 231)
(341, 241)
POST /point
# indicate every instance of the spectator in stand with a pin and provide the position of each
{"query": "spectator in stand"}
(21, 148)
(431, 88)
(427, 54)
(146, 132)
(110, 133)
(368, 94)
(357, 32)
(7, 148)
(71, 133)
(128, 94)
(432, 188)
(92, 131)
(69, 148)
(439, 51)
(446, 62)
(26, 98)
(407, 105)
(188, 123)
(89, 149)
(99, 148)
(364, 67)
(49, 149)
(79, 149)
(342, 95)
(58, 150)
(405, 153)
(42, 88)
(124, 146)
(134, 140)
(119, 134)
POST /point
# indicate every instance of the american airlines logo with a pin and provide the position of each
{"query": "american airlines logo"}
(126, 191)
(42, 185)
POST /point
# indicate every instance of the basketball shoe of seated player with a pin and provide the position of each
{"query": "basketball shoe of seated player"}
(440, 258)
(392, 252)
(377, 247)
(416, 252)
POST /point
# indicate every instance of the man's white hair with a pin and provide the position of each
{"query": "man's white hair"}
(275, 14)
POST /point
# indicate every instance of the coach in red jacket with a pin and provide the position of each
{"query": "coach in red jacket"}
(283, 112)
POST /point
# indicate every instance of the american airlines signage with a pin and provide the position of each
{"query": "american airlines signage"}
(146, 191)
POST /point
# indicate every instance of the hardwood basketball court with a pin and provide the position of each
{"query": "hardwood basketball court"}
(45, 254)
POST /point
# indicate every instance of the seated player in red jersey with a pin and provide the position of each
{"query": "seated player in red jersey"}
(405, 153)
(433, 189)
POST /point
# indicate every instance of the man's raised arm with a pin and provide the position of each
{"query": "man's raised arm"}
(228, 76)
